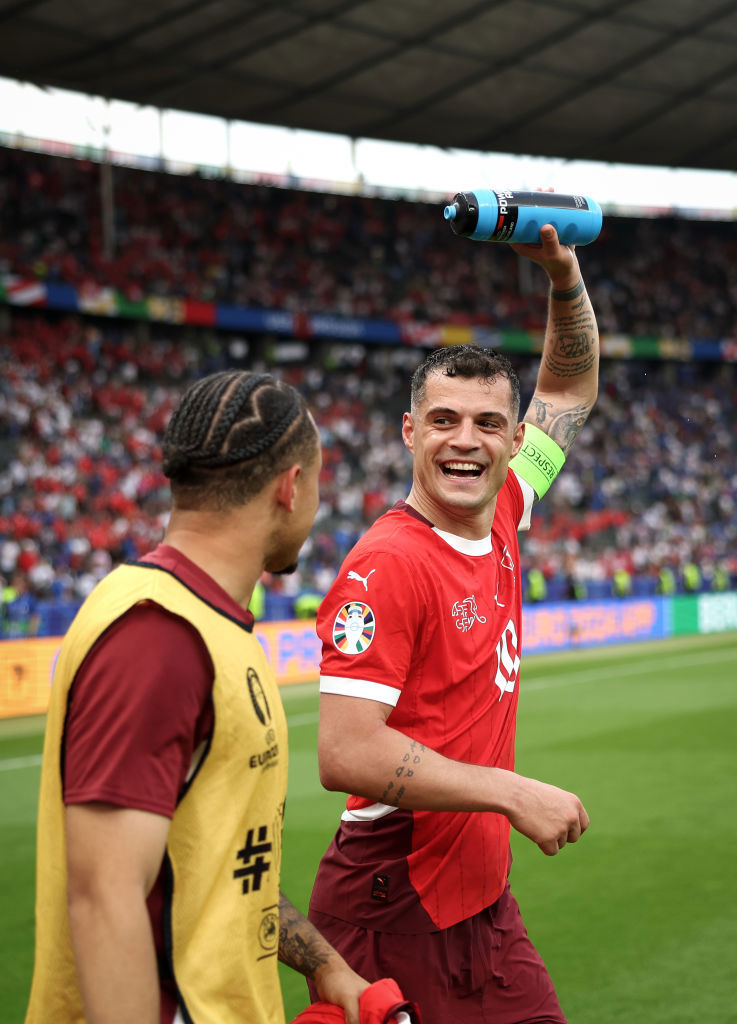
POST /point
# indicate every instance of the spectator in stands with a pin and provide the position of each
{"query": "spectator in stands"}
(19, 609)
(666, 580)
(622, 582)
(692, 578)
(257, 604)
(719, 578)
(536, 586)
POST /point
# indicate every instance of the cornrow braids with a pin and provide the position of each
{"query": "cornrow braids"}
(468, 361)
(231, 433)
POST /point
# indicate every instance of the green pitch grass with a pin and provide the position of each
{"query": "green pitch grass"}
(637, 922)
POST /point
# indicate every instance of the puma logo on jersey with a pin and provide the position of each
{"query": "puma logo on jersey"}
(360, 579)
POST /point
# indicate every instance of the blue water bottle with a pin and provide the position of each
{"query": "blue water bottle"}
(489, 216)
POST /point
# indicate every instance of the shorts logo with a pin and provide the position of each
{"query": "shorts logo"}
(380, 888)
(353, 629)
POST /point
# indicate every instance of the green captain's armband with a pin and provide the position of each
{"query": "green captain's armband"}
(539, 460)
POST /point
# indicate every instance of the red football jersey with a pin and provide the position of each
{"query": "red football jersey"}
(429, 623)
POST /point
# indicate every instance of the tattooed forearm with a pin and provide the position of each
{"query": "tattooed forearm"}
(571, 356)
(300, 944)
(571, 348)
(562, 426)
(396, 788)
(567, 382)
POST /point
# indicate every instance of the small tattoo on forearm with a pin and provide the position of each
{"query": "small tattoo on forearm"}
(568, 294)
(406, 770)
(541, 410)
(299, 942)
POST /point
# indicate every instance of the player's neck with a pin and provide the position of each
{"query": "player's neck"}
(231, 556)
(471, 524)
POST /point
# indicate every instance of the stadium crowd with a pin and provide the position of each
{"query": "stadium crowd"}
(651, 486)
(647, 503)
(216, 240)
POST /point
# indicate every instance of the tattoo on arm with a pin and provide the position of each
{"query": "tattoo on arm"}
(568, 294)
(300, 944)
(569, 367)
(541, 411)
(562, 425)
(571, 347)
(394, 791)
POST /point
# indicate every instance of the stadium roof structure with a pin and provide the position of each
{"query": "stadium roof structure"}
(630, 81)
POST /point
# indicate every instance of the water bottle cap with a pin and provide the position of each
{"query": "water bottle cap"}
(450, 212)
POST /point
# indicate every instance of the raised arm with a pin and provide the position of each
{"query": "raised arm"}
(567, 382)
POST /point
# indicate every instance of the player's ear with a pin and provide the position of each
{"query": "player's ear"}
(519, 438)
(408, 431)
(286, 487)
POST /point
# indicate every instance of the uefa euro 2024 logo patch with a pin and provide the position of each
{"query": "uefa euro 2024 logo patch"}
(353, 629)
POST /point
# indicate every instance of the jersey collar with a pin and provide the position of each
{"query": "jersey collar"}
(464, 545)
(461, 544)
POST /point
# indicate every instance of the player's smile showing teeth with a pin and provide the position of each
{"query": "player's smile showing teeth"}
(462, 470)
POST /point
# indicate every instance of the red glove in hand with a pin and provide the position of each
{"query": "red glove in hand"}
(381, 1003)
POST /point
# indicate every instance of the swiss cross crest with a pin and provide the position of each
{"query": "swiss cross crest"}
(466, 613)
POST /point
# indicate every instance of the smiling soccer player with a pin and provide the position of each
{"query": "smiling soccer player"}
(418, 724)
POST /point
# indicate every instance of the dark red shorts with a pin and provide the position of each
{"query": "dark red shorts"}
(481, 971)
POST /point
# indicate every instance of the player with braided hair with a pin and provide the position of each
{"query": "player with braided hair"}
(165, 758)
(246, 425)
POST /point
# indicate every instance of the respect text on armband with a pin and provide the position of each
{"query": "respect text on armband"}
(540, 459)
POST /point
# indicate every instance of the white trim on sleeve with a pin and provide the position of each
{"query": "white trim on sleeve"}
(371, 813)
(529, 497)
(366, 688)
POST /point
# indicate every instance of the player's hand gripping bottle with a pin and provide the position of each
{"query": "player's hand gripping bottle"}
(489, 216)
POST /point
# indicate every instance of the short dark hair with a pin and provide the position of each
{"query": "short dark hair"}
(469, 361)
(232, 433)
